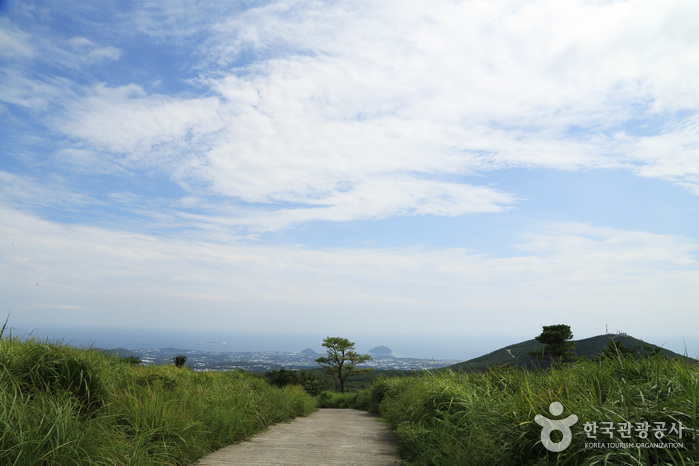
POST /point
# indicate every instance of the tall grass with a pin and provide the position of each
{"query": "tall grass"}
(452, 418)
(65, 406)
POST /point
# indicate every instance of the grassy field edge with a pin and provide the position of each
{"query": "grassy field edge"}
(488, 417)
(65, 405)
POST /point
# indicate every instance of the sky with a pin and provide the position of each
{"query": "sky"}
(449, 175)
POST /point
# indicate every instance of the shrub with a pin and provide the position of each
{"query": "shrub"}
(310, 382)
(349, 400)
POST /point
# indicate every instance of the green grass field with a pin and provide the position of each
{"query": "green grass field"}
(63, 405)
(487, 418)
(67, 406)
(455, 418)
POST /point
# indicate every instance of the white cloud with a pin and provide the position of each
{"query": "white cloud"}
(364, 110)
(502, 59)
(89, 51)
(359, 92)
(14, 43)
(125, 120)
(31, 79)
(30, 93)
(572, 272)
(605, 248)
(382, 198)
(22, 191)
(672, 155)
(292, 111)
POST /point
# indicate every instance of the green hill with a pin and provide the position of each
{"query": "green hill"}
(518, 354)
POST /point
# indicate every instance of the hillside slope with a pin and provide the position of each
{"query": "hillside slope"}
(518, 354)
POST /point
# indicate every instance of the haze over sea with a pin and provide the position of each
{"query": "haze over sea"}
(407, 346)
(415, 346)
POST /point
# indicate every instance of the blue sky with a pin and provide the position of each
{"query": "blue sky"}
(460, 170)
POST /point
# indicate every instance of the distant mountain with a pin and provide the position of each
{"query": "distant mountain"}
(381, 351)
(518, 354)
(122, 352)
(308, 352)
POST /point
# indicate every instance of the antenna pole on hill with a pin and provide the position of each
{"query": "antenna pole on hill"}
(606, 329)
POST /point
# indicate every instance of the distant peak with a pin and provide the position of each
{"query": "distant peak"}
(308, 351)
(381, 350)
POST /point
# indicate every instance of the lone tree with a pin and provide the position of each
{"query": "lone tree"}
(179, 360)
(558, 347)
(342, 360)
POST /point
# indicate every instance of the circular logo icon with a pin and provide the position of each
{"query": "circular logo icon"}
(549, 425)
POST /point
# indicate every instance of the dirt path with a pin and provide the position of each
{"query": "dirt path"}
(326, 437)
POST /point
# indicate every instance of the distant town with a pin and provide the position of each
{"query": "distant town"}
(262, 361)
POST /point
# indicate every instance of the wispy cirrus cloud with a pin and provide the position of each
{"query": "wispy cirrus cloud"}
(395, 88)
(310, 107)
(128, 122)
(672, 155)
(14, 43)
(23, 192)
